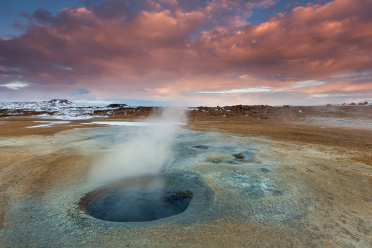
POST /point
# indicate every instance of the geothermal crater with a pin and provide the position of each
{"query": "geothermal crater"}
(138, 199)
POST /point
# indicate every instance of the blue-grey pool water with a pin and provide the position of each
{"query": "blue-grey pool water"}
(223, 186)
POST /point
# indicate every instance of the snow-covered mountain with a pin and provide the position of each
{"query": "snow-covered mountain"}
(54, 104)
(56, 109)
(62, 102)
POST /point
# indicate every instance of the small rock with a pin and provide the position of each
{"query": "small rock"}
(201, 147)
(265, 170)
(238, 155)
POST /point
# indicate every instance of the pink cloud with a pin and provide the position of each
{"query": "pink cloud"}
(172, 49)
(302, 44)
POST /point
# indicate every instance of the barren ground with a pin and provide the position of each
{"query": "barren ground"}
(320, 156)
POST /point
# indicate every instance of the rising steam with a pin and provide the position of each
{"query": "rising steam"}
(146, 152)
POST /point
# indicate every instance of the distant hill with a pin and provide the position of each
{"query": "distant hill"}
(39, 106)
(117, 105)
(63, 102)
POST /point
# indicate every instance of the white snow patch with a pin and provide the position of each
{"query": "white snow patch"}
(134, 124)
(49, 123)
(56, 109)
(192, 108)
(340, 122)
(68, 116)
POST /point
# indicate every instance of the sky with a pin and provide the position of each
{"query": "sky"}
(186, 53)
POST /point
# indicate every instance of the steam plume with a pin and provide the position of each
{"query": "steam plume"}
(146, 152)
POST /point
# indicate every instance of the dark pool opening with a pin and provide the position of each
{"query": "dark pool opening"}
(135, 203)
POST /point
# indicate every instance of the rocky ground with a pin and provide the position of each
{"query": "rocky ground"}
(305, 179)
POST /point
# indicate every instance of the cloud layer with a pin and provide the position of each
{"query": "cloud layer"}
(194, 52)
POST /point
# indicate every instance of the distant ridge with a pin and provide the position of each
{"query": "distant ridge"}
(54, 104)
(117, 105)
(63, 102)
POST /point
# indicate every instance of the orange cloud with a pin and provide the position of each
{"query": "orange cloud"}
(182, 49)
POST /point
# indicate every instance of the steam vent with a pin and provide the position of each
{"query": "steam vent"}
(136, 200)
(214, 190)
(144, 199)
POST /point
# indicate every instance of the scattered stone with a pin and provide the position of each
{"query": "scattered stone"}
(117, 105)
(277, 192)
(201, 147)
(216, 161)
(181, 195)
(232, 162)
(238, 155)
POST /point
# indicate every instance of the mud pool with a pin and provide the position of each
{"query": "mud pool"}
(238, 192)
(147, 198)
